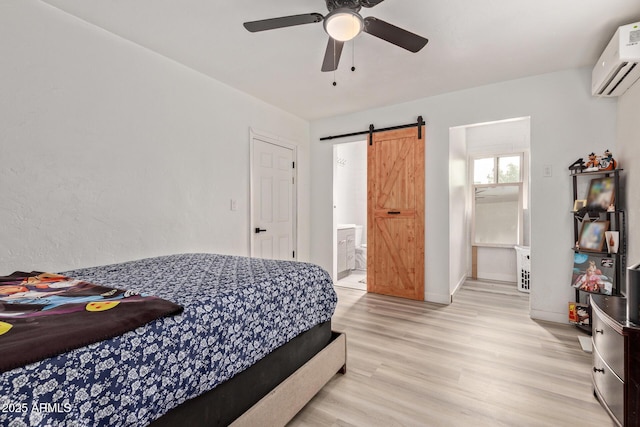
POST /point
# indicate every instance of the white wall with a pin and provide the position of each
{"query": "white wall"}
(350, 196)
(459, 210)
(566, 122)
(508, 136)
(628, 156)
(497, 264)
(111, 152)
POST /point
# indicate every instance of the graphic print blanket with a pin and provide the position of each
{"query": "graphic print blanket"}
(44, 314)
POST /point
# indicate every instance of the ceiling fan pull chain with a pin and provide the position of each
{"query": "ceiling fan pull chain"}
(334, 62)
(353, 55)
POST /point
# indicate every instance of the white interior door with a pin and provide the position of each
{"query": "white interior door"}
(273, 204)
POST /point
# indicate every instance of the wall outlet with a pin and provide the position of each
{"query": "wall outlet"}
(547, 172)
(234, 205)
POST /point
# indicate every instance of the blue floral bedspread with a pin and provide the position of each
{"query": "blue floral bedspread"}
(236, 311)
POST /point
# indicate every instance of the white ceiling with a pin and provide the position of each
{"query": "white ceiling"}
(471, 43)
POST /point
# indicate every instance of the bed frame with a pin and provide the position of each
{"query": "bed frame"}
(272, 391)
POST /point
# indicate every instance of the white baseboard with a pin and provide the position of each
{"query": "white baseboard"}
(438, 298)
(549, 316)
(458, 285)
(498, 277)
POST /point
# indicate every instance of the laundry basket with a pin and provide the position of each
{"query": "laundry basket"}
(523, 264)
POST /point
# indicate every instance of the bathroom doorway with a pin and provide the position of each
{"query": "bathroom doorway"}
(350, 214)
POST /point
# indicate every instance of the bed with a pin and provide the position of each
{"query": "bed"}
(254, 342)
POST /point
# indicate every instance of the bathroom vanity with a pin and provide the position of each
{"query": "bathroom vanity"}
(346, 249)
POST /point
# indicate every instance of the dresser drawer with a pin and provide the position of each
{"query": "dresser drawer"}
(610, 344)
(608, 386)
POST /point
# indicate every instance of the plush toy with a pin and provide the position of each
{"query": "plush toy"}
(593, 164)
(607, 162)
(593, 161)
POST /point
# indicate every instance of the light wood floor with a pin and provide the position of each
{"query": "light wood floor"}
(480, 361)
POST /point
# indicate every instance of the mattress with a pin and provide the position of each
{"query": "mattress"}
(236, 311)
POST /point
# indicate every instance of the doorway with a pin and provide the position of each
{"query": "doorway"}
(350, 214)
(395, 193)
(489, 178)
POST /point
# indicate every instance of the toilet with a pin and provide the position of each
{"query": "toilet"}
(361, 249)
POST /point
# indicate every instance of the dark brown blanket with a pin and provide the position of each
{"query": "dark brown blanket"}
(44, 314)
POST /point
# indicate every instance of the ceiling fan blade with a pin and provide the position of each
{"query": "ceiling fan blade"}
(332, 55)
(402, 38)
(370, 3)
(284, 21)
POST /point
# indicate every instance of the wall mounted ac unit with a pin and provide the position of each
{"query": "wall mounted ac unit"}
(618, 68)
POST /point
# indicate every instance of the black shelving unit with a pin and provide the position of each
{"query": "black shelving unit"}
(617, 222)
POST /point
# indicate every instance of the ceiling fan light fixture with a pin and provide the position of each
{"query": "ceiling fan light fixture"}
(343, 24)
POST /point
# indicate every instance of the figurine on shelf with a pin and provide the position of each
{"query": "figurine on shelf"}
(608, 163)
(577, 166)
(593, 164)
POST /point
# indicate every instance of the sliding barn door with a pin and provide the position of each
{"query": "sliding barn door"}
(395, 226)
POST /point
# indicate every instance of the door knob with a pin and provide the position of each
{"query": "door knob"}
(259, 230)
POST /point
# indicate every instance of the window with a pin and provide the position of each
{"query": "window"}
(509, 169)
(497, 200)
(484, 171)
(497, 215)
(497, 169)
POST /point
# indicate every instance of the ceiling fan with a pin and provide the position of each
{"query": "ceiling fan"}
(343, 23)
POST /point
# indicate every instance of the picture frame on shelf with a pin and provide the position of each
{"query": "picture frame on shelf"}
(592, 235)
(612, 239)
(579, 204)
(601, 193)
(594, 273)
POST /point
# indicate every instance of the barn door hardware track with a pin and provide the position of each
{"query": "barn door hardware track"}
(419, 123)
